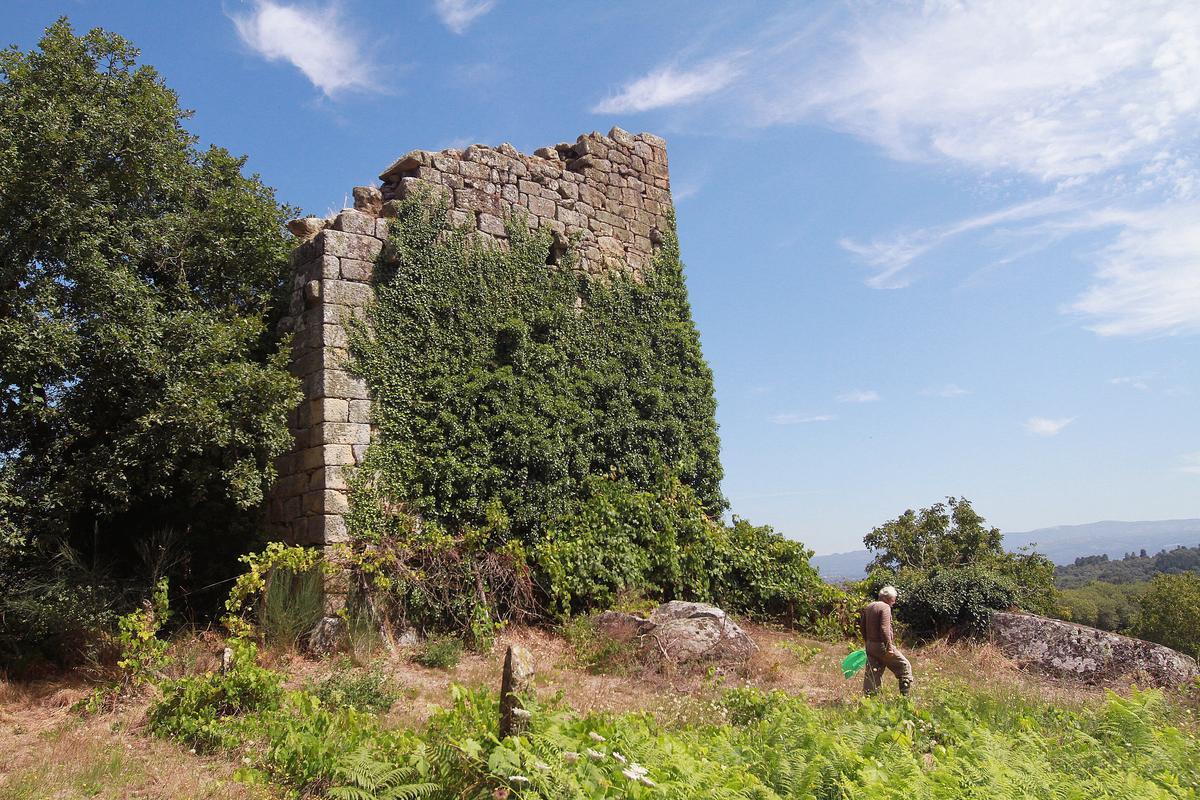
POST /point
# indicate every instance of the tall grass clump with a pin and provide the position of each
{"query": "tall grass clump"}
(290, 606)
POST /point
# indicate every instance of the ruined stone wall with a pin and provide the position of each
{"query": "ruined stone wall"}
(608, 197)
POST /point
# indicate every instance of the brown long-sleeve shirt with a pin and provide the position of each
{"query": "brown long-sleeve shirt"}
(875, 622)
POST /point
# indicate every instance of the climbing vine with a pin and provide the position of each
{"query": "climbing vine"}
(503, 382)
(546, 441)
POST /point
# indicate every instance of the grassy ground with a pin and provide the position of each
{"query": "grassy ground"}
(51, 751)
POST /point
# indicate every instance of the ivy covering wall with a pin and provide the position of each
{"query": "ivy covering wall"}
(545, 440)
(499, 380)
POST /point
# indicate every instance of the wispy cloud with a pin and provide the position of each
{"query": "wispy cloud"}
(946, 390)
(312, 39)
(1057, 90)
(670, 86)
(801, 419)
(457, 15)
(892, 256)
(1044, 426)
(1148, 280)
(1132, 381)
(1094, 107)
(859, 396)
(1191, 463)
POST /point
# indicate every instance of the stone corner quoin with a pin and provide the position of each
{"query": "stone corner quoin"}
(608, 195)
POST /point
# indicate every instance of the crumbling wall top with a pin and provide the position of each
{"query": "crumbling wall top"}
(610, 194)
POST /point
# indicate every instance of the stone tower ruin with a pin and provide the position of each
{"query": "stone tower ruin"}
(609, 197)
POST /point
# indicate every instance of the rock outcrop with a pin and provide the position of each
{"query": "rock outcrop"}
(1066, 650)
(683, 633)
(679, 633)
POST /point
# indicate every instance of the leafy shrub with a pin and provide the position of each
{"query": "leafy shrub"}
(1169, 609)
(623, 539)
(371, 691)
(660, 543)
(196, 709)
(143, 654)
(952, 571)
(439, 652)
(949, 600)
(52, 608)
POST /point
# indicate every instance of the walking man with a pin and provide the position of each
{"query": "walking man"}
(875, 622)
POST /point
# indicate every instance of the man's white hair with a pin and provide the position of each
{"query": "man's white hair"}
(888, 593)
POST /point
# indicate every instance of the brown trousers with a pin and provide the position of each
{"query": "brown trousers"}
(878, 660)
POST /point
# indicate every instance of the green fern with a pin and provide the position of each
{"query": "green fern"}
(363, 775)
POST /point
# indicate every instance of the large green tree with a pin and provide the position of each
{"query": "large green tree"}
(952, 569)
(949, 534)
(141, 387)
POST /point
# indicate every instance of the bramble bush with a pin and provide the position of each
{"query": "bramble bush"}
(439, 652)
(370, 691)
(199, 709)
(661, 543)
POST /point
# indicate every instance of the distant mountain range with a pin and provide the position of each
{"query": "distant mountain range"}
(1061, 544)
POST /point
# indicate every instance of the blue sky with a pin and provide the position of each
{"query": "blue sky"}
(933, 248)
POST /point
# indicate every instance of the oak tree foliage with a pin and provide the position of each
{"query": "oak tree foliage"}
(142, 392)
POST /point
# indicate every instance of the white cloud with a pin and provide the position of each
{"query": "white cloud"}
(1057, 90)
(457, 15)
(1043, 426)
(1098, 100)
(1191, 463)
(1095, 101)
(858, 396)
(1132, 381)
(312, 39)
(1148, 279)
(947, 390)
(669, 86)
(801, 419)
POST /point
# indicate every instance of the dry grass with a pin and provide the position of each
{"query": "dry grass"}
(785, 661)
(50, 751)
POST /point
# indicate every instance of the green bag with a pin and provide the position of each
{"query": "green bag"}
(854, 662)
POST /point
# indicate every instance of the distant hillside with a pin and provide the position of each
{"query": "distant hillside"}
(1061, 544)
(1065, 543)
(1133, 568)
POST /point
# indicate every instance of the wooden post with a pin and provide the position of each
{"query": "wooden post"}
(517, 680)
